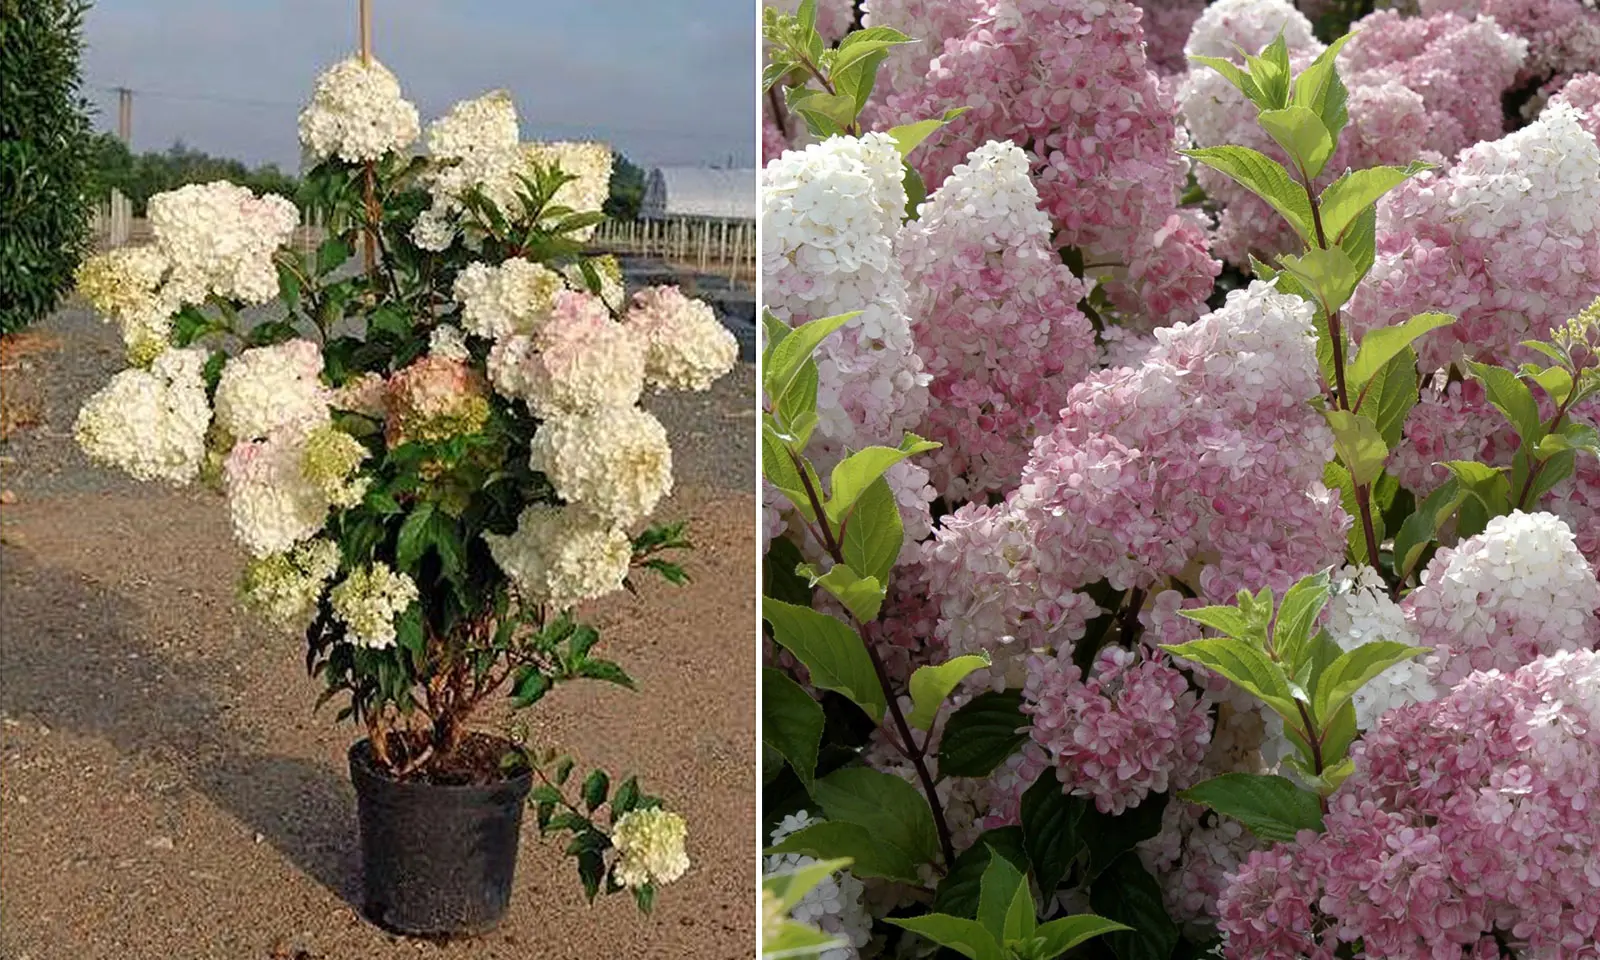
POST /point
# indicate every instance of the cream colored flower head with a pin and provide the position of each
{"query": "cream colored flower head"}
(650, 848)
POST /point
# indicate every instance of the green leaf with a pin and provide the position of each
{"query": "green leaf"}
(791, 886)
(1241, 80)
(1058, 936)
(870, 855)
(916, 189)
(1005, 906)
(1382, 344)
(791, 722)
(1270, 71)
(1389, 396)
(1297, 617)
(1328, 273)
(832, 651)
(1423, 526)
(1109, 836)
(1127, 893)
(1228, 621)
(1554, 381)
(1301, 134)
(595, 789)
(1319, 89)
(779, 469)
(1513, 399)
(966, 937)
(979, 737)
(862, 596)
(1051, 832)
(909, 136)
(1488, 484)
(873, 533)
(931, 685)
(1243, 664)
(1358, 444)
(1357, 190)
(1353, 669)
(1266, 178)
(1273, 808)
(961, 889)
(791, 353)
(891, 809)
(1336, 477)
(855, 473)
(331, 254)
(1360, 243)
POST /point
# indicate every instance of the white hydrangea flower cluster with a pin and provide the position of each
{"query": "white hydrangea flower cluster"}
(369, 600)
(264, 388)
(125, 285)
(650, 847)
(477, 146)
(589, 161)
(616, 462)
(833, 906)
(688, 348)
(562, 555)
(150, 423)
(474, 145)
(829, 216)
(447, 341)
(1227, 25)
(219, 238)
(1517, 591)
(272, 503)
(1361, 612)
(357, 113)
(515, 297)
(283, 589)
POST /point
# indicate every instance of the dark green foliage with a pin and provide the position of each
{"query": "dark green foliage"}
(627, 189)
(44, 156)
(141, 176)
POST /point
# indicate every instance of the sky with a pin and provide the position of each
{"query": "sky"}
(667, 82)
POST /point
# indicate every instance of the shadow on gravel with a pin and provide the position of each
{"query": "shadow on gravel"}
(69, 661)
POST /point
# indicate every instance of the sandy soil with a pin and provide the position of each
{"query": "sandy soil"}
(167, 792)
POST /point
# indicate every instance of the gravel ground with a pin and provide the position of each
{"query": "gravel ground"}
(167, 792)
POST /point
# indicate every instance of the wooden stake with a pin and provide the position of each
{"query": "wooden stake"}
(370, 249)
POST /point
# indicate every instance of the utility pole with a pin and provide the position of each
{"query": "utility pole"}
(125, 116)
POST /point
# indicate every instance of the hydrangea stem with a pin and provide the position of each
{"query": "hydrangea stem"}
(907, 744)
(1363, 492)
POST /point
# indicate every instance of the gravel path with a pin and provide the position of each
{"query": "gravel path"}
(167, 792)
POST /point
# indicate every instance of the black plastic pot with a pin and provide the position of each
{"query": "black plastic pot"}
(438, 860)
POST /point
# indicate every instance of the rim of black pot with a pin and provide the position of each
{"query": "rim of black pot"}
(360, 756)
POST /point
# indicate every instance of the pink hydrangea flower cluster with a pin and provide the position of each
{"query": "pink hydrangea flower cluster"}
(982, 566)
(928, 22)
(433, 399)
(1563, 35)
(1508, 240)
(1582, 93)
(1518, 590)
(1466, 817)
(1130, 729)
(1068, 80)
(995, 320)
(1208, 449)
(1167, 24)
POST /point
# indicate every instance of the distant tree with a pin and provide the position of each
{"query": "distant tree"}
(627, 189)
(45, 143)
(140, 177)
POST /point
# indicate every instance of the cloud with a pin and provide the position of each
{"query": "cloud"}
(669, 82)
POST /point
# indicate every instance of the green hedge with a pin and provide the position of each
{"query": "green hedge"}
(44, 156)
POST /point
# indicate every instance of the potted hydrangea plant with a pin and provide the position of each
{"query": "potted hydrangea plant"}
(431, 453)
